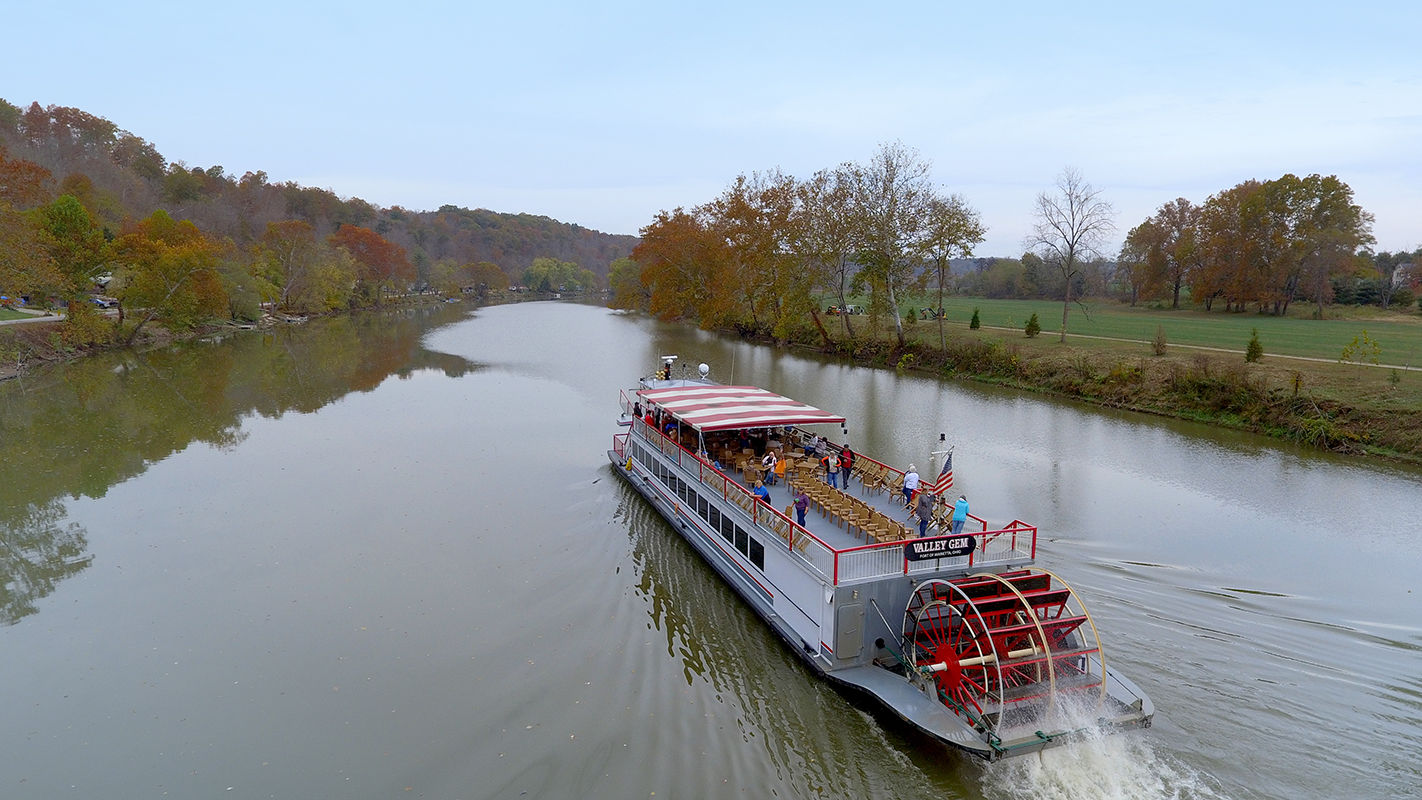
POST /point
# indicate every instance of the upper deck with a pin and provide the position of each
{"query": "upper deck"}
(850, 535)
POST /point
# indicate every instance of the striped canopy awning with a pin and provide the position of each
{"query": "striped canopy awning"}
(720, 408)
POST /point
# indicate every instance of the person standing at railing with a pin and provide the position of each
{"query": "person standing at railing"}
(802, 504)
(831, 470)
(910, 484)
(924, 509)
(846, 462)
(761, 492)
(960, 514)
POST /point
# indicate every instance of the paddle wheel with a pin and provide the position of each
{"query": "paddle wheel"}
(1002, 650)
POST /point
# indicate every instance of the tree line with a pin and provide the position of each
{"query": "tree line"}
(758, 256)
(1259, 245)
(80, 198)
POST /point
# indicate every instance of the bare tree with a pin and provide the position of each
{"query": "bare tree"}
(1071, 226)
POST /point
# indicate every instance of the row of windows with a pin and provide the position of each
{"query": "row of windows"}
(734, 534)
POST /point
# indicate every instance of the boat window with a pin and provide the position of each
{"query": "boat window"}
(757, 554)
(714, 518)
(728, 528)
(703, 507)
(741, 539)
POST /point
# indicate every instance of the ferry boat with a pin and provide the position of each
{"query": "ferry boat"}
(957, 634)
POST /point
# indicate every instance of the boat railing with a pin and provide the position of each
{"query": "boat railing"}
(1016, 542)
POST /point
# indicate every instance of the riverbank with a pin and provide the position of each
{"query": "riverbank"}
(28, 346)
(1349, 408)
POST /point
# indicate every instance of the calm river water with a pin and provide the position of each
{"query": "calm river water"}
(387, 557)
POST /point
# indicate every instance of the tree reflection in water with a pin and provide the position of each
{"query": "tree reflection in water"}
(75, 430)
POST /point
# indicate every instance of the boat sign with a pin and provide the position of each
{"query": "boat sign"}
(939, 547)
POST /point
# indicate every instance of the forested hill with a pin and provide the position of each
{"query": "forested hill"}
(120, 176)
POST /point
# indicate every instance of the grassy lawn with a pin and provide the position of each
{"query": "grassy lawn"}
(1398, 334)
(6, 313)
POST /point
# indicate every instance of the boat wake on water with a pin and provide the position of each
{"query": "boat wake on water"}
(1098, 764)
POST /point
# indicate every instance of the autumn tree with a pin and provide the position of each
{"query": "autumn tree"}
(1133, 264)
(451, 278)
(892, 195)
(23, 184)
(170, 271)
(754, 219)
(26, 265)
(1178, 224)
(487, 273)
(381, 264)
(75, 242)
(1071, 225)
(825, 234)
(289, 250)
(552, 275)
(951, 229)
(1329, 228)
(682, 263)
(309, 275)
(624, 278)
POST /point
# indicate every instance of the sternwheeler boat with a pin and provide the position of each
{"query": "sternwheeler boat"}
(957, 634)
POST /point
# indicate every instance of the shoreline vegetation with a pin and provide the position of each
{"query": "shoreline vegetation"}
(1191, 319)
(1358, 407)
(1348, 407)
(33, 345)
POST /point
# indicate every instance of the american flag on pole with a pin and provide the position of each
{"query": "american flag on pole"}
(945, 476)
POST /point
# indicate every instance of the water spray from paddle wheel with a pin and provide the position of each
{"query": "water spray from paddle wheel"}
(1004, 650)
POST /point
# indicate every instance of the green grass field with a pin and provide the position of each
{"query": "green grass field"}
(6, 313)
(1398, 334)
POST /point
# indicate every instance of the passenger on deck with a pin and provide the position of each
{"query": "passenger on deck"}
(768, 465)
(831, 470)
(924, 509)
(846, 463)
(960, 514)
(761, 492)
(802, 504)
(910, 484)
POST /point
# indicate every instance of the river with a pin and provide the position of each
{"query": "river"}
(386, 556)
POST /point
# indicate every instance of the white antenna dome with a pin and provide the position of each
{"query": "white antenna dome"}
(703, 369)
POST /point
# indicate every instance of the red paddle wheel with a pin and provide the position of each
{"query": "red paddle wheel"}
(1002, 650)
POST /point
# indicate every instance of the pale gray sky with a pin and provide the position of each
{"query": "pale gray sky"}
(602, 114)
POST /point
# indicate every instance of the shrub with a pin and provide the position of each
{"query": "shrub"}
(1158, 346)
(85, 326)
(1402, 297)
(1255, 350)
(975, 323)
(1033, 326)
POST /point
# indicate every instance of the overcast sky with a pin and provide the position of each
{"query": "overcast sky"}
(604, 113)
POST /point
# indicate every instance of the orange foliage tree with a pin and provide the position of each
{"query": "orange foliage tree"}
(170, 271)
(682, 260)
(382, 264)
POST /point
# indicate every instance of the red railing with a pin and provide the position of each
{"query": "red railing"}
(860, 562)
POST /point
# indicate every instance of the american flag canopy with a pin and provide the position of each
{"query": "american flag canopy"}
(721, 408)
(945, 476)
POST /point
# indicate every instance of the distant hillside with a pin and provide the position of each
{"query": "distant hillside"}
(123, 177)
